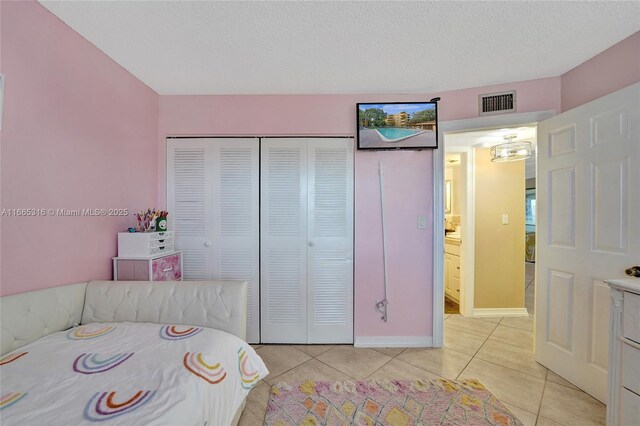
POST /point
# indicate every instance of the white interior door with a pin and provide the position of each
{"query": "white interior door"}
(283, 242)
(330, 234)
(588, 231)
(307, 240)
(213, 204)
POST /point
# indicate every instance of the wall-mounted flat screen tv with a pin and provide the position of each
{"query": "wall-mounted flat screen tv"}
(398, 125)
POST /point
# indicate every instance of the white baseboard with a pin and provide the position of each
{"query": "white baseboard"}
(393, 342)
(500, 312)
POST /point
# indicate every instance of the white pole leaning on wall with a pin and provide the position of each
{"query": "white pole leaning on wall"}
(381, 305)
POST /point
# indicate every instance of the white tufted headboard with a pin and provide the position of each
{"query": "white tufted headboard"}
(217, 304)
(28, 316)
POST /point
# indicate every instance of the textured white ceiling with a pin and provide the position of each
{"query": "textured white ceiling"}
(208, 47)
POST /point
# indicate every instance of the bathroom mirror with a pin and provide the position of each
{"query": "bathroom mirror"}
(447, 196)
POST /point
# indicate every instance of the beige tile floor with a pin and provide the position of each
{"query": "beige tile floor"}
(497, 351)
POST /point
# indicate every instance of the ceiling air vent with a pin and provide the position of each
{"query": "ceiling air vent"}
(497, 103)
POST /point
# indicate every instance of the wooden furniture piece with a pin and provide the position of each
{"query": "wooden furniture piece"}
(161, 267)
(623, 408)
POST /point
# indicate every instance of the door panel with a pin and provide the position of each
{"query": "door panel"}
(562, 207)
(560, 309)
(283, 240)
(588, 231)
(307, 240)
(235, 224)
(189, 202)
(330, 248)
(609, 206)
(598, 355)
(212, 199)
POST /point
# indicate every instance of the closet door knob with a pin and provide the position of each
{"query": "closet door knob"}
(311, 244)
(207, 244)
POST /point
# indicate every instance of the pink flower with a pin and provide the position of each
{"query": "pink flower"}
(322, 387)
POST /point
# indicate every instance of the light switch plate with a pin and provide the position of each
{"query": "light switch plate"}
(422, 222)
(505, 219)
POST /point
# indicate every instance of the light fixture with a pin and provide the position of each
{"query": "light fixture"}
(511, 150)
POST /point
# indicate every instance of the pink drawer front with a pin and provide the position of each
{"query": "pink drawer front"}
(167, 268)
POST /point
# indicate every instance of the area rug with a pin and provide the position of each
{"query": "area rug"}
(386, 402)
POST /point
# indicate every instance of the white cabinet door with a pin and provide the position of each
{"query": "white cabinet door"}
(448, 274)
(213, 204)
(455, 280)
(588, 231)
(330, 241)
(283, 230)
(307, 240)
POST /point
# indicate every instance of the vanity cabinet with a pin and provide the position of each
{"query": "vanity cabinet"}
(624, 353)
(452, 269)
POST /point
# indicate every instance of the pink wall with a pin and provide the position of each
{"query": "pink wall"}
(611, 70)
(79, 132)
(408, 182)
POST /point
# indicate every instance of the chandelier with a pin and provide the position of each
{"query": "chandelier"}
(511, 150)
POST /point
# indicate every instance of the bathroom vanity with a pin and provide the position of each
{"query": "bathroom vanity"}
(452, 267)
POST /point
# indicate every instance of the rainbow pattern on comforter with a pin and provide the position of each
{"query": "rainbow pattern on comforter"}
(125, 373)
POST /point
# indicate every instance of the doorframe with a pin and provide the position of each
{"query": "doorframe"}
(469, 124)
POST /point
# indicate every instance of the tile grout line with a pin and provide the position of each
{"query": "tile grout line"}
(494, 363)
(542, 398)
(474, 357)
(517, 328)
(508, 342)
(476, 353)
(321, 353)
(513, 369)
(296, 366)
(377, 369)
(392, 357)
(337, 369)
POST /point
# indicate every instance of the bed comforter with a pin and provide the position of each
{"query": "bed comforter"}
(128, 373)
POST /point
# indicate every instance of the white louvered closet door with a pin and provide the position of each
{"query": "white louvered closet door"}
(307, 240)
(330, 235)
(283, 230)
(189, 202)
(213, 200)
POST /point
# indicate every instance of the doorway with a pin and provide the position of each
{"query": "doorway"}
(485, 203)
(491, 122)
(450, 127)
(454, 195)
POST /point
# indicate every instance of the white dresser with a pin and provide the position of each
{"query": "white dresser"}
(623, 408)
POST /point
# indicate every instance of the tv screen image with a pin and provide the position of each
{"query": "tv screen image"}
(397, 125)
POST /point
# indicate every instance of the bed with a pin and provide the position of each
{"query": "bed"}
(127, 353)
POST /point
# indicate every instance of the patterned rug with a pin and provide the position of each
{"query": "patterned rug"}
(386, 402)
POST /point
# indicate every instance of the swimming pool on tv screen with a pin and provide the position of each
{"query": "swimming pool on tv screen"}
(392, 133)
